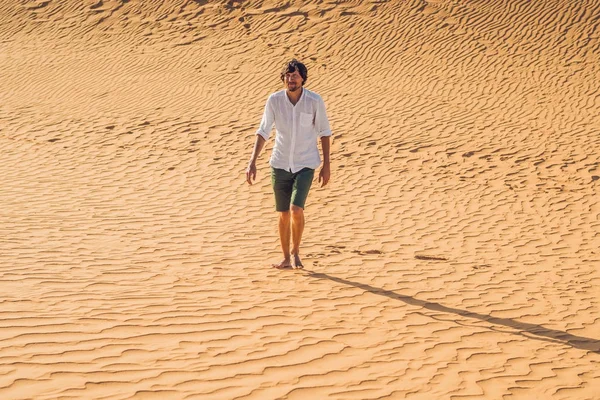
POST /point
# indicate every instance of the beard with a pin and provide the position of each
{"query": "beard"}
(293, 87)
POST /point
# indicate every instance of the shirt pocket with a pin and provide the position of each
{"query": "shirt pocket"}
(306, 119)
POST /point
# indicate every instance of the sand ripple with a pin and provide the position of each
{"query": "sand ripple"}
(454, 254)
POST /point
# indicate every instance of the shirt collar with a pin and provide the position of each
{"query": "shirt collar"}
(299, 100)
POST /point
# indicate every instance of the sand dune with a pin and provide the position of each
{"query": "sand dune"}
(455, 253)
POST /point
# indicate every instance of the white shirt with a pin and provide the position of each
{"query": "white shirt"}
(297, 129)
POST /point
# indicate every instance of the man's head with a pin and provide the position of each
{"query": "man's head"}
(294, 75)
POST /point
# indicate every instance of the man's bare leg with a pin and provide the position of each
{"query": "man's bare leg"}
(297, 229)
(284, 238)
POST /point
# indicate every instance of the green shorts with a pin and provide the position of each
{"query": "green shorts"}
(289, 187)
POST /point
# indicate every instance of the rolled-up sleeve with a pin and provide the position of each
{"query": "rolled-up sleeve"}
(268, 118)
(321, 121)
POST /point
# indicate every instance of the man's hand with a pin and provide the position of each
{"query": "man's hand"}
(324, 174)
(251, 173)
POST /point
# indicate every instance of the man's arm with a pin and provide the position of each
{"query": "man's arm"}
(262, 135)
(251, 170)
(325, 173)
(324, 132)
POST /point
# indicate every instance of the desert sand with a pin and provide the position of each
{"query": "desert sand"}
(454, 255)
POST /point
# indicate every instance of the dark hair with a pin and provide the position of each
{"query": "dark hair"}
(292, 66)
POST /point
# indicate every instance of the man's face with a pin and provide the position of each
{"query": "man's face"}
(293, 81)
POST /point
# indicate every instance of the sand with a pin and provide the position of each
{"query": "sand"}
(454, 255)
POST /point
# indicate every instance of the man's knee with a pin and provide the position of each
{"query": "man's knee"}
(296, 211)
(284, 214)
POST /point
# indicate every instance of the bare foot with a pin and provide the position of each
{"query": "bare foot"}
(297, 262)
(285, 264)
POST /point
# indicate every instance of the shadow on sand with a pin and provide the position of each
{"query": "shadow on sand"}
(531, 331)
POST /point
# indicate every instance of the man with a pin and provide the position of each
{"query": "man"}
(299, 117)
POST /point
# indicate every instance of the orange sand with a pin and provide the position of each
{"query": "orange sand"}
(455, 254)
